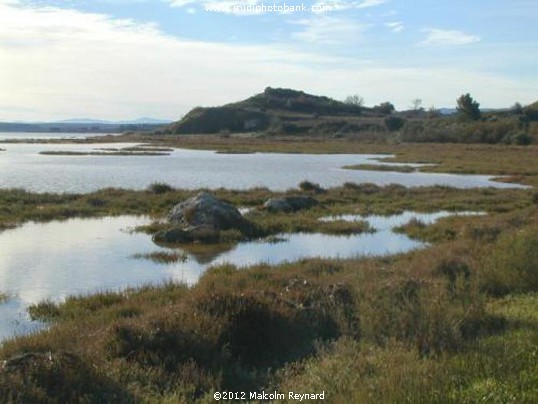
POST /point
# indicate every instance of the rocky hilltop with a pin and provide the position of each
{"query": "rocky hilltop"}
(277, 109)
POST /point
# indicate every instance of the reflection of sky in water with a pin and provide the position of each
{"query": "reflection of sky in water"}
(80, 256)
(392, 221)
(22, 166)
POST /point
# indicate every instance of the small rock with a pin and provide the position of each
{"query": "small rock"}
(290, 203)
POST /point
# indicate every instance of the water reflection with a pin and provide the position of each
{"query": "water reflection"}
(381, 223)
(80, 256)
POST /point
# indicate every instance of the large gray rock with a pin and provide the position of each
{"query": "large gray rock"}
(290, 203)
(207, 213)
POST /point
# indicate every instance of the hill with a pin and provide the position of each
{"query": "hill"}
(275, 109)
(279, 111)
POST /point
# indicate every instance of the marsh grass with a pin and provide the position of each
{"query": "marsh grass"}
(304, 221)
(517, 251)
(18, 206)
(162, 257)
(455, 322)
(417, 327)
(121, 152)
(4, 297)
(381, 167)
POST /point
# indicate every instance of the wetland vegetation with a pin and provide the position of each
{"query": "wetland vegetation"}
(384, 167)
(112, 151)
(454, 322)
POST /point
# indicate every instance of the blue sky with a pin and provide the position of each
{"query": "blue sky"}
(121, 59)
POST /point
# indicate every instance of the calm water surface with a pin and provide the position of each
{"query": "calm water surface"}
(21, 166)
(79, 256)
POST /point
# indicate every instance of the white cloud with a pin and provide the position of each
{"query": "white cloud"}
(370, 3)
(328, 30)
(395, 26)
(448, 37)
(181, 3)
(58, 63)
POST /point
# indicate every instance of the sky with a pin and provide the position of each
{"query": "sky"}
(124, 59)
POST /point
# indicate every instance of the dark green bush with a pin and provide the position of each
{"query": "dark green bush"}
(159, 188)
(308, 186)
(394, 123)
(521, 139)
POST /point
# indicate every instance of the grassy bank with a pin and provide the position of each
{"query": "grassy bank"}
(452, 323)
(18, 206)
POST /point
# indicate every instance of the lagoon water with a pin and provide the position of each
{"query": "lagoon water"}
(21, 166)
(53, 260)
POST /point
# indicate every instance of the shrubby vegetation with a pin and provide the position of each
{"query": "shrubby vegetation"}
(385, 108)
(394, 123)
(419, 327)
(509, 130)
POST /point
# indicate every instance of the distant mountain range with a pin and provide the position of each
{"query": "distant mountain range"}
(85, 125)
(90, 121)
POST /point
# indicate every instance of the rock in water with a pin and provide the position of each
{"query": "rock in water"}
(204, 210)
(201, 218)
(290, 203)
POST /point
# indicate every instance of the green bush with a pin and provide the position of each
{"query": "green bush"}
(394, 123)
(468, 107)
(308, 186)
(159, 188)
(521, 139)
